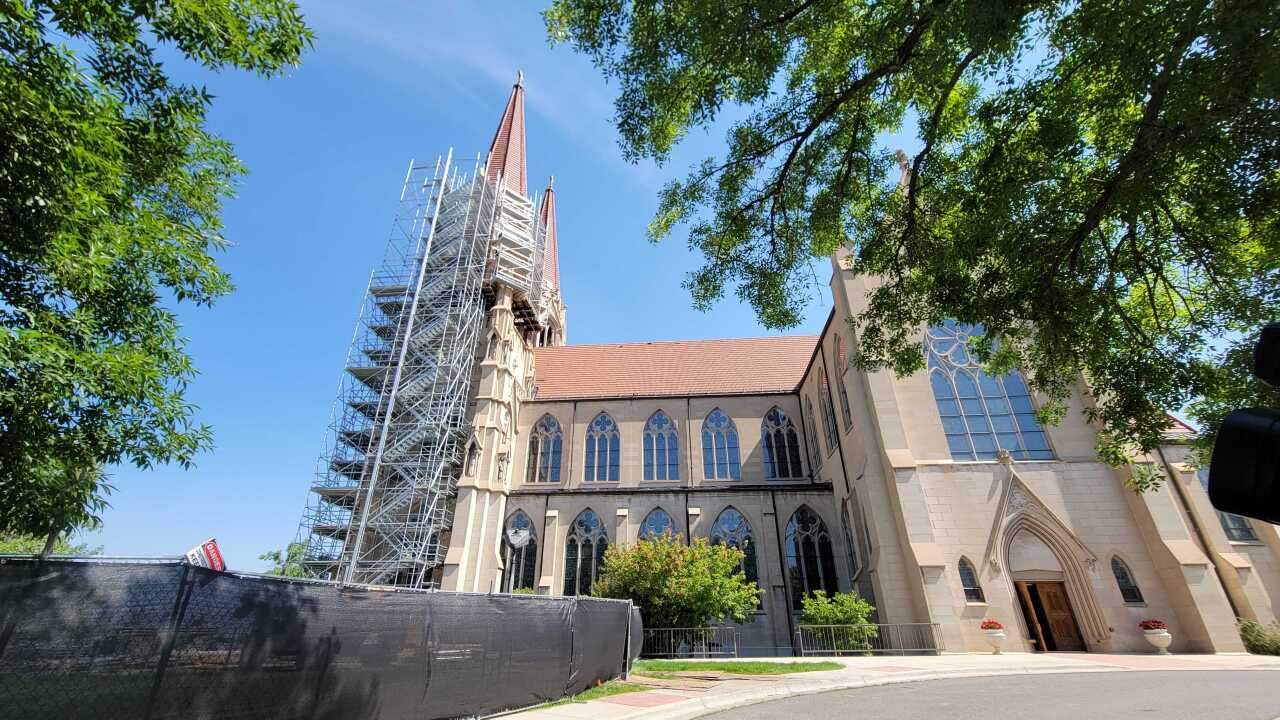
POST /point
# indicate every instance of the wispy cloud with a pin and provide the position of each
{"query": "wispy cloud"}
(488, 44)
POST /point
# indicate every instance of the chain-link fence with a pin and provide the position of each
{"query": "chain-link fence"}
(166, 640)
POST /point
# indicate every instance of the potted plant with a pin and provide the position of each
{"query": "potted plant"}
(1157, 633)
(995, 634)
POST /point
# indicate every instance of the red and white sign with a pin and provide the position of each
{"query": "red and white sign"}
(207, 555)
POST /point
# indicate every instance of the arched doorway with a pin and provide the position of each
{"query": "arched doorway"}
(1041, 584)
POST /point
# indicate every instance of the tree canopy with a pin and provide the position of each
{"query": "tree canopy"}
(677, 585)
(110, 194)
(1096, 183)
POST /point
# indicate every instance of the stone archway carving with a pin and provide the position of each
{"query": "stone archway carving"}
(1021, 510)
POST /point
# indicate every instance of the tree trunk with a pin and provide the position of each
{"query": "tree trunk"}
(49, 544)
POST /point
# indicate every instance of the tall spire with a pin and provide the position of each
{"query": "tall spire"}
(550, 255)
(506, 153)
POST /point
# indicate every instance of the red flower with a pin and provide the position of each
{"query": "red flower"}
(1153, 625)
(989, 624)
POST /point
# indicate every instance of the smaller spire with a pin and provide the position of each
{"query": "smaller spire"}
(550, 251)
(519, 78)
(551, 182)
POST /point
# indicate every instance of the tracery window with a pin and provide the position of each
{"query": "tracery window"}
(656, 525)
(969, 581)
(733, 530)
(851, 547)
(603, 449)
(828, 413)
(980, 413)
(781, 446)
(520, 553)
(1129, 589)
(584, 553)
(545, 439)
(661, 448)
(811, 432)
(720, 448)
(1238, 528)
(811, 564)
(842, 369)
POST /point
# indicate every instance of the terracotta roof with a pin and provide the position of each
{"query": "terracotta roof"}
(739, 366)
(506, 152)
(551, 254)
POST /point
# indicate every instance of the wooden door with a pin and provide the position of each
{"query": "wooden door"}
(1057, 610)
(1029, 615)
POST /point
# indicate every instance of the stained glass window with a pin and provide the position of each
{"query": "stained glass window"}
(602, 454)
(720, 448)
(815, 453)
(520, 545)
(828, 413)
(1237, 528)
(584, 553)
(969, 581)
(1128, 588)
(545, 439)
(732, 529)
(656, 525)
(781, 446)
(980, 413)
(811, 565)
(661, 448)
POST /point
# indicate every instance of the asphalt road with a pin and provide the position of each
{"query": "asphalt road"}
(1180, 695)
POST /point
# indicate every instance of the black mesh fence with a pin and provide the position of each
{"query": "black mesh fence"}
(156, 641)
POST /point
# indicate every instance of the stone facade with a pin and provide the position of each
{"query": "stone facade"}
(901, 514)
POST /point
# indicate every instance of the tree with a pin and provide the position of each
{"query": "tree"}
(1097, 184)
(288, 564)
(677, 585)
(32, 545)
(110, 195)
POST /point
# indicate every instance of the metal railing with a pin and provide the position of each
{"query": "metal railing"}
(690, 642)
(880, 639)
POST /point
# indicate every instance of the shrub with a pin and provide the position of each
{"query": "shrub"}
(1153, 625)
(678, 585)
(839, 609)
(1258, 638)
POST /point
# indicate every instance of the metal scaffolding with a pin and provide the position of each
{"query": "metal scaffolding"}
(382, 503)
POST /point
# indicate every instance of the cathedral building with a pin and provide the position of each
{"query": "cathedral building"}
(937, 496)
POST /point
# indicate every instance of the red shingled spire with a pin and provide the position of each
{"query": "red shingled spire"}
(550, 256)
(506, 153)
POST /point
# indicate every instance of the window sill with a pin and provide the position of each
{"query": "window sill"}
(1136, 604)
(1247, 543)
(970, 603)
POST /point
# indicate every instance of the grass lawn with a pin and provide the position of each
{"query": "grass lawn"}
(613, 687)
(664, 668)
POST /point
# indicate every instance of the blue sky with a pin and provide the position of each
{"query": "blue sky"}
(327, 147)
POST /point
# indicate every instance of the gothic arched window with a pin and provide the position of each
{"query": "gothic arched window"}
(520, 553)
(842, 369)
(544, 450)
(584, 553)
(656, 525)
(732, 529)
(969, 581)
(602, 449)
(1128, 587)
(980, 413)
(828, 413)
(851, 547)
(720, 448)
(781, 446)
(1236, 527)
(811, 565)
(811, 433)
(661, 448)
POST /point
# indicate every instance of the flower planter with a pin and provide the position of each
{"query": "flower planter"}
(1159, 639)
(995, 638)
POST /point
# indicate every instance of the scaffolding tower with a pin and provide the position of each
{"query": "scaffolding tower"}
(381, 506)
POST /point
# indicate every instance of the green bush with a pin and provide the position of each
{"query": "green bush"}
(839, 609)
(677, 585)
(1258, 638)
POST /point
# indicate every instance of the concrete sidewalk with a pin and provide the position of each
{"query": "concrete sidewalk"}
(706, 697)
